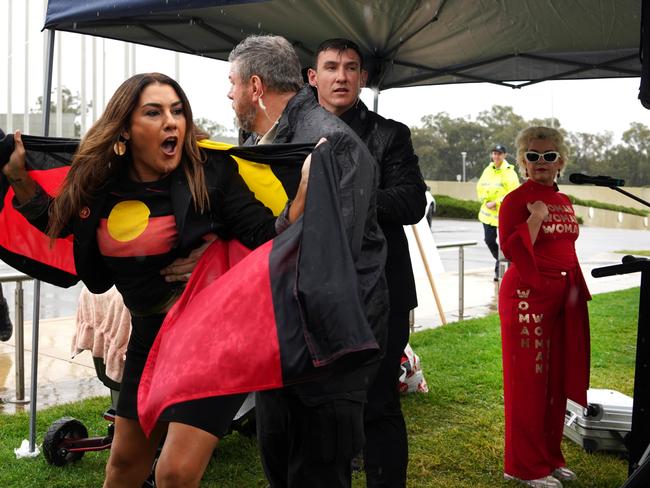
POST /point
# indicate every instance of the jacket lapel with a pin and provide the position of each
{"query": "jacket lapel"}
(86, 223)
(357, 118)
(181, 197)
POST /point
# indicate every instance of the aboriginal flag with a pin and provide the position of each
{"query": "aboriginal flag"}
(288, 312)
(22, 246)
(272, 173)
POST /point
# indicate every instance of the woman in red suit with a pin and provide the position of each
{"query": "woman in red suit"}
(543, 312)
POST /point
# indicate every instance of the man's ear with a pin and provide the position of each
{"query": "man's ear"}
(312, 77)
(257, 88)
(364, 78)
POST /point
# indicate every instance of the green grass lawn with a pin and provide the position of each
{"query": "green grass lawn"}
(455, 431)
(635, 253)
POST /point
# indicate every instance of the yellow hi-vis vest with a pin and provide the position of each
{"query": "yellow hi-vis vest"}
(493, 186)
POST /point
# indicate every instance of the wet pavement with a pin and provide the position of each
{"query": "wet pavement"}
(595, 248)
(62, 379)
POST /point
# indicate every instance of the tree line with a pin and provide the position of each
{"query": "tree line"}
(440, 140)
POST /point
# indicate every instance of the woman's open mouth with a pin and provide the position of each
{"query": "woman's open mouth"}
(169, 146)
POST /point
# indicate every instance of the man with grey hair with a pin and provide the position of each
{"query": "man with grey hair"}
(309, 433)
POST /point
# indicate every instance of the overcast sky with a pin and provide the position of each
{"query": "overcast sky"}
(592, 106)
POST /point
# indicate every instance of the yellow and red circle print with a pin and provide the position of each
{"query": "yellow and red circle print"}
(128, 220)
(130, 231)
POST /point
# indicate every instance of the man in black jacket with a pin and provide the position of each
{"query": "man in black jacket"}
(338, 77)
(309, 433)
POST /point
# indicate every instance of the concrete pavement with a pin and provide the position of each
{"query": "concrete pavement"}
(595, 248)
(61, 379)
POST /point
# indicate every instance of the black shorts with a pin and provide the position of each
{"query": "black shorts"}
(213, 414)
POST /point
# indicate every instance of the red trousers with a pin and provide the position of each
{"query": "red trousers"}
(545, 342)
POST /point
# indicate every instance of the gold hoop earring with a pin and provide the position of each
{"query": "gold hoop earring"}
(119, 147)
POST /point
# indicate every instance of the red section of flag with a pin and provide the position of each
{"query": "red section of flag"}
(18, 236)
(157, 238)
(211, 344)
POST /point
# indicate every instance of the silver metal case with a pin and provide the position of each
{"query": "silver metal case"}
(604, 425)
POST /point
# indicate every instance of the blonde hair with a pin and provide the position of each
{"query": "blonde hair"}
(95, 162)
(539, 132)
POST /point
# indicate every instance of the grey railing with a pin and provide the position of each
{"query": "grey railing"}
(19, 334)
(461, 271)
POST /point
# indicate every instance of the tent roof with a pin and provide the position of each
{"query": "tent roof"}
(405, 42)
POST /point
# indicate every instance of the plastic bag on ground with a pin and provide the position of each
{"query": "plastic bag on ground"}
(411, 378)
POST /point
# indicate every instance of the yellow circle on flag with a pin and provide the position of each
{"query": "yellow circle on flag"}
(128, 220)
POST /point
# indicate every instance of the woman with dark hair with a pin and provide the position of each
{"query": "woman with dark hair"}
(543, 312)
(139, 195)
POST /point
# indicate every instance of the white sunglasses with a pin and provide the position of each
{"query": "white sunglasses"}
(547, 157)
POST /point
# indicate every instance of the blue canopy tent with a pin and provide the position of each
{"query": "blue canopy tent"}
(407, 43)
(513, 43)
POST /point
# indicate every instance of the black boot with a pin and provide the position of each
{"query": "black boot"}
(6, 329)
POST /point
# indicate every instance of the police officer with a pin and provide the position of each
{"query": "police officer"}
(497, 180)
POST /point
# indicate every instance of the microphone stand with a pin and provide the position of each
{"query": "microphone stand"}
(639, 438)
(632, 196)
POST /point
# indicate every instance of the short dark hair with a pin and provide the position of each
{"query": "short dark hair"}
(339, 44)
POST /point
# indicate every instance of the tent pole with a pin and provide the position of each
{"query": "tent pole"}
(47, 81)
(47, 88)
(10, 62)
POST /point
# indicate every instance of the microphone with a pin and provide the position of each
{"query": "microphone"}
(580, 179)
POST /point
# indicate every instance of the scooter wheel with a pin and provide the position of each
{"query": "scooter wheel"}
(53, 443)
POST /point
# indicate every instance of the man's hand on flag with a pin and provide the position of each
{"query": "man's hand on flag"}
(181, 269)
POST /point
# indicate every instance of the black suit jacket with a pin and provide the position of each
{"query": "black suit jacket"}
(401, 196)
(304, 121)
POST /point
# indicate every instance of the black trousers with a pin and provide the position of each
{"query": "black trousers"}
(308, 442)
(386, 451)
(490, 232)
